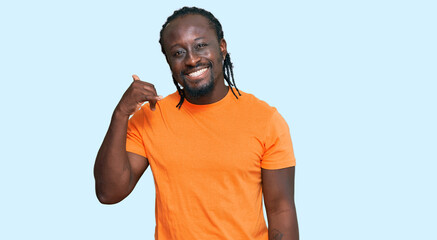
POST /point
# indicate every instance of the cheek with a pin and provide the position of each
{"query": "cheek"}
(176, 73)
(220, 60)
(177, 76)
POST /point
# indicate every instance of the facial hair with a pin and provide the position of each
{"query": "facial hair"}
(202, 90)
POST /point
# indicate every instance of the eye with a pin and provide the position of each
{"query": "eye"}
(201, 45)
(178, 53)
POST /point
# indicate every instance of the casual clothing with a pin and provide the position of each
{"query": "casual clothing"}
(206, 162)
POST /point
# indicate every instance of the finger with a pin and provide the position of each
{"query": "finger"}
(152, 105)
(135, 77)
(149, 97)
(150, 92)
(153, 100)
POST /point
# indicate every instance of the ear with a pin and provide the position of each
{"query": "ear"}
(223, 48)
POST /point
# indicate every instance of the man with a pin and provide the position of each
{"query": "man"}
(213, 150)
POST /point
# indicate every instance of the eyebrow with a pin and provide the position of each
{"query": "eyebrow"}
(196, 39)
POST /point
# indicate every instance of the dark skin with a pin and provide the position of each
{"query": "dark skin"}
(195, 58)
(190, 45)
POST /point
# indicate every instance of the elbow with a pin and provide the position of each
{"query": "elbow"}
(280, 206)
(107, 195)
(107, 199)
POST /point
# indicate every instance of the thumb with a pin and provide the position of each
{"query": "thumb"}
(135, 77)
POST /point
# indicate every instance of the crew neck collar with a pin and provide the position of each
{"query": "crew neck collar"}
(220, 102)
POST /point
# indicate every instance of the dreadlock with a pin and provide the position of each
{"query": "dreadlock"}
(227, 64)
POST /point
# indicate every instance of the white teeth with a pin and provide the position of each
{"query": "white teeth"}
(197, 73)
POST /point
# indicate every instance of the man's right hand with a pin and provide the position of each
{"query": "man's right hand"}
(117, 171)
(137, 93)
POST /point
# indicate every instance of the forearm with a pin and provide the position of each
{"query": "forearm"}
(112, 169)
(283, 225)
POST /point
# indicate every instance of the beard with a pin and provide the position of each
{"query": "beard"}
(199, 91)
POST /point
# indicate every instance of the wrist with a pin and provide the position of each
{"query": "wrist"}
(120, 114)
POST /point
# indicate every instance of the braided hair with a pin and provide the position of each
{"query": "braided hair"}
(227, 64)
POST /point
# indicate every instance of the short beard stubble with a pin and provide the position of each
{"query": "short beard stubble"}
(195, 93)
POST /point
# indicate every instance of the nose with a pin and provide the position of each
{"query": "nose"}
(191, 58)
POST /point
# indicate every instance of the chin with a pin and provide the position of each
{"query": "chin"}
(199, 91)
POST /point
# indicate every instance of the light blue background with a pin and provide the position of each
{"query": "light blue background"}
(355, 80)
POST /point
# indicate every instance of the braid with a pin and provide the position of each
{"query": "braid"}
(228, 70)
(181, 93)
(215, 24)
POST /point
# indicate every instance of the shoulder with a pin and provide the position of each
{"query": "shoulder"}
(145, 114)
(255, 105)
(254, 111)
(169, 101)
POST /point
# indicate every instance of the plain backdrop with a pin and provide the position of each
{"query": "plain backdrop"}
(355, 80)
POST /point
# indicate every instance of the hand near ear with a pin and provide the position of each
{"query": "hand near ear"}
(138, 93)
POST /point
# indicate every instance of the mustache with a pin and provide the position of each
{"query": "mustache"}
(198, 65)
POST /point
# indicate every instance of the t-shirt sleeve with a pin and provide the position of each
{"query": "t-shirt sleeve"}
(134, 137)
(278, 148)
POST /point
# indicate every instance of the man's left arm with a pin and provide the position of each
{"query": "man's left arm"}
(278, 190)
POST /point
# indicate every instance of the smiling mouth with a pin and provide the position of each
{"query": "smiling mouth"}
(199, 74)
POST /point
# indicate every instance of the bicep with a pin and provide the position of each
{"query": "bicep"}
(278, 189)
(138, 164)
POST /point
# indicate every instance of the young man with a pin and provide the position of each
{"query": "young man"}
(213, 150)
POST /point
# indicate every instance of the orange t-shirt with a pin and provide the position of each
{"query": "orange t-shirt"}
(206, 162)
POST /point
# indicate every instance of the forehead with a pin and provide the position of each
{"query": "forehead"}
(188, 27)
